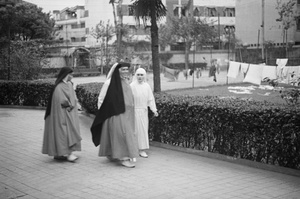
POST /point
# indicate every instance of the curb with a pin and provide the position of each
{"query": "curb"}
(244, 162)
(23, 107)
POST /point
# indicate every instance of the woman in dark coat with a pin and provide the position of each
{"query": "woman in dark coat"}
(62, 132)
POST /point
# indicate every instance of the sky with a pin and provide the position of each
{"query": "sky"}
(50, 5)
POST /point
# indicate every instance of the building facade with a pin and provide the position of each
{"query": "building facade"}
(76, 24)
(71, 25)
(219, 14)
(258, 21)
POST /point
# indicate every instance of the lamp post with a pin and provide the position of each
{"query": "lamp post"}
(67, 59)
(263, 30)
(290, 44)
(227, 30)
(194, 60)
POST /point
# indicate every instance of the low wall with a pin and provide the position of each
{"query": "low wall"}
(203, 56)
(54, 62)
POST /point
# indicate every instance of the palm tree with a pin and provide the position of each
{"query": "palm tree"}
(117, 25)
(112, 2)
(152, 10)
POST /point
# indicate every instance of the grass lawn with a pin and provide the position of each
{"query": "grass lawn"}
(263, 92)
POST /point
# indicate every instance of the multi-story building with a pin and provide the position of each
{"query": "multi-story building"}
(77, 23)
(71, 24)
(97, 11)
(258, 21)
(219, 14)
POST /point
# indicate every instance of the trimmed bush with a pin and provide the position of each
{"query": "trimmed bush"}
(87, 95)
(25, 93)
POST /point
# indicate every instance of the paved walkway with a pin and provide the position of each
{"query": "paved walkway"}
(25, 173)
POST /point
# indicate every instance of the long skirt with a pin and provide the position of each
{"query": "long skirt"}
(141, 127)
(118, 138)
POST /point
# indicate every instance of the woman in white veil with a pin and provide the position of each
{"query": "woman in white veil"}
(143, 98)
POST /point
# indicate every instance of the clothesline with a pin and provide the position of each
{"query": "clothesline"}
(255, 73)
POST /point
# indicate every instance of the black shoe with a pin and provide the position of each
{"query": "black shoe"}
(60, 158)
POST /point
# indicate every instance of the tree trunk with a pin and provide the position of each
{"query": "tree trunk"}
(155, 52)
(119, 27)
(9, 55)
(114, 13)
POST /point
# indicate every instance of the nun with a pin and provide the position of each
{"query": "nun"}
(113, 127)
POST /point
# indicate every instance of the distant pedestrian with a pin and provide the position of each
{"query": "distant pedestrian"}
(143, 98)
(61, 131)
(213, 70)
(113, 126)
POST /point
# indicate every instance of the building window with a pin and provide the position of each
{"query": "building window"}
(298, 1)
(130, 10)
(82, 38)
(228, 29)
(229, 12)
(176, 10)
(298, 23)
(74, 26)
(73, 39)
(86, 13)
(196, 12)
(132, 30)
(211, 12)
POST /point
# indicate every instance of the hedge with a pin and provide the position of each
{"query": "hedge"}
(257, 131)
(87, 95)
(247, 129)
(25, 93)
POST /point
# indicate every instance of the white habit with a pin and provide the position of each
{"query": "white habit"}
(143, 98)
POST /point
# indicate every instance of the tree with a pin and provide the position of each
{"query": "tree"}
(287, 15)
(152, 11)
(112, 2)
(22, 22)
(104, 33)
(189, 30)
(118, 25)
(25, 22)
(26, 59)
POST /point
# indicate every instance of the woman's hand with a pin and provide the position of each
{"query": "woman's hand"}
(67, 106)
(70, 108)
